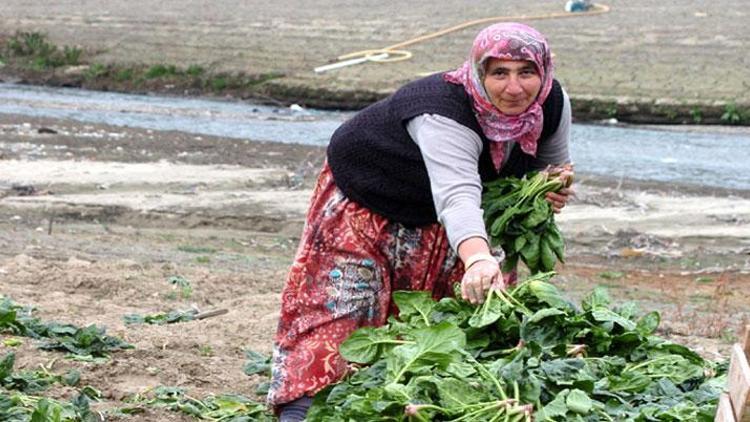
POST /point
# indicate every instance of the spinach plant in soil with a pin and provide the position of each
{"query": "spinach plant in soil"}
(524, 354)
(521, 221)
(225, 407)
(90, 341)
(18, 405)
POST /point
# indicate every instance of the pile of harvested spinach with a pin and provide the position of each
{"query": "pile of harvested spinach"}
(525, 354)
(521, 221)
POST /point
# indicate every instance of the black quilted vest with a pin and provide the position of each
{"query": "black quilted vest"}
(376, 163)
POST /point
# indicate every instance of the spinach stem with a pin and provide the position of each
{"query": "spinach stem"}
(394, 342)
(487, 375)
(601, 412)
(646, 363)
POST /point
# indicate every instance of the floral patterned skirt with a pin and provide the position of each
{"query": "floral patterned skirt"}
(348, 263)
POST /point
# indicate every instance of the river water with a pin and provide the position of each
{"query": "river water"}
(706, 157)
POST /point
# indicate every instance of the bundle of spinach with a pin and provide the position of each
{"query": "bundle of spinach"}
(524, 353)
(521, 221)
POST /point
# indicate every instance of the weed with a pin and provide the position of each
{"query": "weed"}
(27, 44)
(72, 55)
(670, 113)
(45, 62)
(697, 115)
(96, 70)
(178, 281)
(39, 54)
(612, 110)
(203, 259)
(219, 83)
(689, 262)
(206, 350)
(727, 336)
(160, 71)
(123, 75)
(611, 275)
(613, 285)
(716, 318)
(704, 279)
(732, 114)
(196, 249)
(701, 298)
(195, 70)
(262, 78)
(169, 237)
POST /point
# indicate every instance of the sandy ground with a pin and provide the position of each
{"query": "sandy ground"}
(95, 219)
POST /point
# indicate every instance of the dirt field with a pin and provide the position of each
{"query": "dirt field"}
(679, 51)
(94, 220)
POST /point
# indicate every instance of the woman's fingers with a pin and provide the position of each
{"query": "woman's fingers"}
(478, 280)
(472, 290)
(558, 199)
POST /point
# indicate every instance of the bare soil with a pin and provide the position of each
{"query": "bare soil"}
(95, 219)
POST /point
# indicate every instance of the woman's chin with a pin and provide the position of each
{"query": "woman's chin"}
(512, 111)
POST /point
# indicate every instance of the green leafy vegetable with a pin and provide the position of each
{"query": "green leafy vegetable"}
(525, 352)
(521, 220)
(226, 407)
(87, 341)
(161, 318)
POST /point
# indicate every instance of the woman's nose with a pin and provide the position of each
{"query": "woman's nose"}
(513, 87)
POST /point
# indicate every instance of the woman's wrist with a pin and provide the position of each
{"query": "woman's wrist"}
(481, 256)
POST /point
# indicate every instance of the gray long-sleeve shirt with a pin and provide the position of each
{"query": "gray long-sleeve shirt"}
(451, 154)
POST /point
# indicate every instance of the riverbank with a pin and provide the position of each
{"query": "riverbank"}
(641, 62)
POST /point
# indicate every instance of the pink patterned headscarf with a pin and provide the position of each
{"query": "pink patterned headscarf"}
(509, 41)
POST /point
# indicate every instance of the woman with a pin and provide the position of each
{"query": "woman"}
(397, 205)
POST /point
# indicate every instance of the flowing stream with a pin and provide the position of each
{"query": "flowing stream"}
(707, 157)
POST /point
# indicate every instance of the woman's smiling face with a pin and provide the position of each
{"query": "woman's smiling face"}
(511, 85)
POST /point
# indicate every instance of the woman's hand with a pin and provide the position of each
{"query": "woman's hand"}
(560, 198)
(478, 279)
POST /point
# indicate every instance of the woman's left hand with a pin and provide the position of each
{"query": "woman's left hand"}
(559, 199)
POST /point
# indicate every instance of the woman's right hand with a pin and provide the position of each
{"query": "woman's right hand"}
(478, 279)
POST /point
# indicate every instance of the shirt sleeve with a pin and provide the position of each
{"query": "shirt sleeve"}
(555, 150)
(451, 154)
